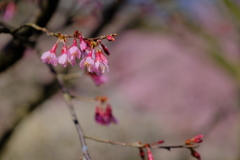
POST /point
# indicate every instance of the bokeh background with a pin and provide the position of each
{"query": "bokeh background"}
(174, 73)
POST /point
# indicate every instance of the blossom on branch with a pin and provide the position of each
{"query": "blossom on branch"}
(103, 112)
(91, 50)
(101, 63)
(98, 79)
(49, 57)
(83, 44)
(63, 58)
(104, 116)
(74, 53)
(88, 61)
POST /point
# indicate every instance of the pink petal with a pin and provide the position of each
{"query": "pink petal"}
(45, 56)
(63, 60)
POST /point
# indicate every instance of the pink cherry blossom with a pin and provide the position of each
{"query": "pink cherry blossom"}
(63, 58)
(88, 61)
(83, 44)
(101, 63)
(104, 116)
(49, 57)
(73, 53)
(98, 80)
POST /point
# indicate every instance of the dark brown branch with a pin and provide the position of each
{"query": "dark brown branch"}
(14, 50)
(4, 30)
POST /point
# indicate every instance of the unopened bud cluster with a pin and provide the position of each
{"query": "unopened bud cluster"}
(191, 142)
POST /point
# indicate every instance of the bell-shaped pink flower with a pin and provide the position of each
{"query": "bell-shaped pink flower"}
(88, 61)
(73, 53)
(63, 58)
(83, 44)
(104, 116)
(101, 63)
(98, 80)
(49, 57)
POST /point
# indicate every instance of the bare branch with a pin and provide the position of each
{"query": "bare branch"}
(138, 144)
(13, 51)
(68, 100)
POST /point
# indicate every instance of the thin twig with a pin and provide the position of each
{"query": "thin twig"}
(83, 98)
(68, 100)
(49, 33)
(73, 75)
(137, 144)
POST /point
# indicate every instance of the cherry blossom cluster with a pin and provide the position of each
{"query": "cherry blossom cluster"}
(89, 51)
(103, 113)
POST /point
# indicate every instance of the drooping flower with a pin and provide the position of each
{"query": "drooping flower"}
(98, 80)
(73, 53)
(101, 63)
(104, 116)
(99, 115)
(49, 57)
(88, 61)
(110, 117)
(83, 44)
(63, 58)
